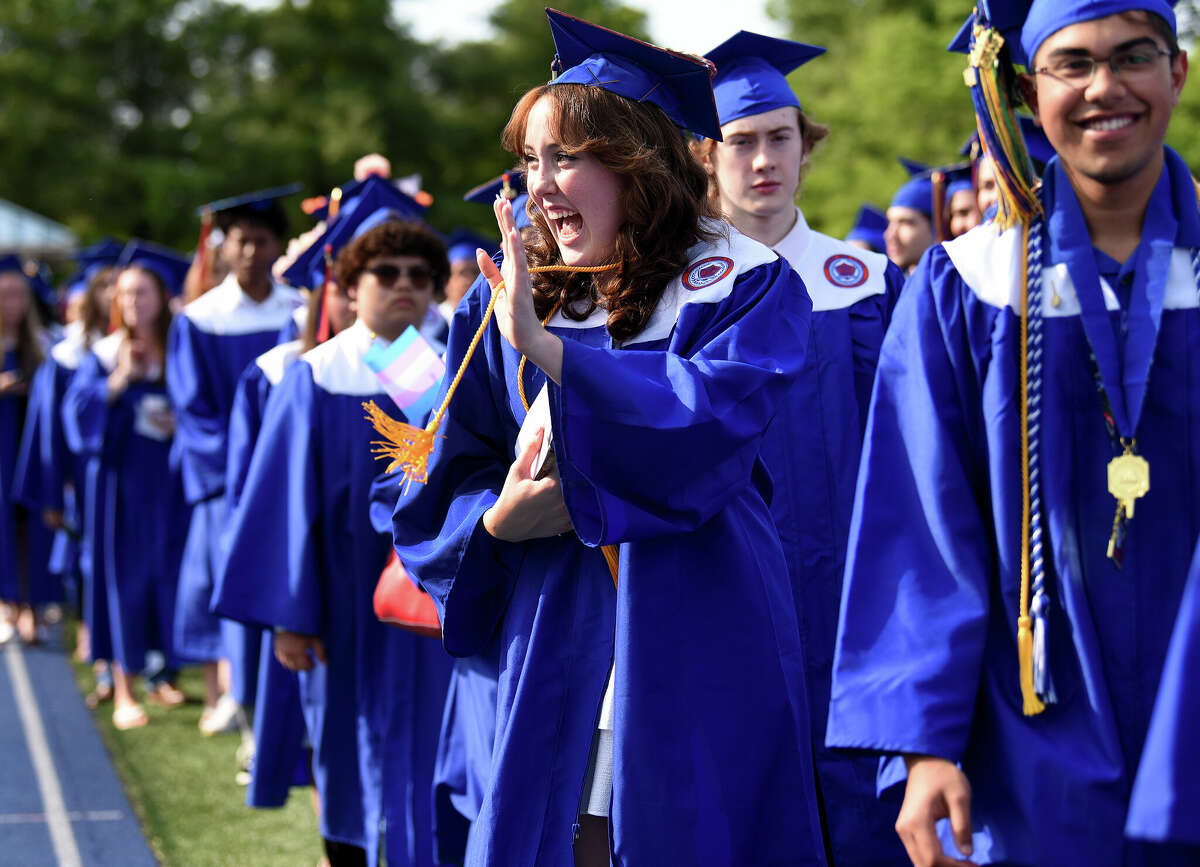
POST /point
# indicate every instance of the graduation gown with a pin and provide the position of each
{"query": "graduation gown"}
(812, 451)
(32, 482)
(280, 760)
(12, 410)
(926, 659)
(1165, 805)
(212, 341)
(657, 444)
(372, 713)
(144, 519)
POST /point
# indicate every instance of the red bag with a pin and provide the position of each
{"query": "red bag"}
(402, 603)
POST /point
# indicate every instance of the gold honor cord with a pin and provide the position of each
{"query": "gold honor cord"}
(409, 447)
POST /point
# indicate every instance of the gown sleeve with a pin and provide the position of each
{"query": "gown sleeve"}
(657, 441)
(49, 387)
(93, 426)
(437, 527)
(201, 434)
(29, 484)
(271, 533)
(914, 605)
(244, 423)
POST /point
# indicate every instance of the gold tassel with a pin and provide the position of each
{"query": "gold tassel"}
(408, 447)
(1030, 703)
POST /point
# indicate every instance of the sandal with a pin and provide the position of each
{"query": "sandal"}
(129, 717)
(165, 695)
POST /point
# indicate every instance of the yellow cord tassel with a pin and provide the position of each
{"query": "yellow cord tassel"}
(1031, 704)
(409, 447)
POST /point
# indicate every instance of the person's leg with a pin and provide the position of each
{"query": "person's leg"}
(127, 713)
(591, 846)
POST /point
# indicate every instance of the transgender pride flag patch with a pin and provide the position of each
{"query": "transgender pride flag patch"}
(410, 371)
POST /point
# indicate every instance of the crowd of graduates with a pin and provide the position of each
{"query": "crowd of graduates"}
(700, 537)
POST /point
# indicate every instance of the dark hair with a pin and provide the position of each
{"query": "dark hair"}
(96, 318)
(310, 333)
(163, 324)
(812, 133)
(29, 336)
(393, 238)
(664, 200)
(273, 217)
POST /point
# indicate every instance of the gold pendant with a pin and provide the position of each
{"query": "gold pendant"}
(1128, 479)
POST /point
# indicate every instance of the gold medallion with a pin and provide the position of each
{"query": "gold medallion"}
(1128, 479)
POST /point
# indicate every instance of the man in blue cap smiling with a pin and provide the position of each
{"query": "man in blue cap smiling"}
(755, 174)
(1027, 505)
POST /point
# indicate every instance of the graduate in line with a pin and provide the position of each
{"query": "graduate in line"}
(23, 344)
(1028, 498)
(212, 341)
(867, 232)
(910, 218)
(812, 447)
(372, 694)
(661, 720)
(116, 413)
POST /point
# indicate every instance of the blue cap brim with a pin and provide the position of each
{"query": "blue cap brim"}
(170, 266)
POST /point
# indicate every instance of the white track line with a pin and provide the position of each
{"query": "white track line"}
(62, 836)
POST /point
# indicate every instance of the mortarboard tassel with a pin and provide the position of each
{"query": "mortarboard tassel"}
(409, 447)
(206, 222)
(999, 131)
(335, 204)
(323, 323)
(940, 223)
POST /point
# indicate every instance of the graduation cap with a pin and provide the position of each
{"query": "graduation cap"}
(869, 225)
(170, 266)
(679, 84)
(91, 259)
(376, 200)
(462, 243)
(37, 275)
(511, 185)
(917, 192)
(261, 205)
(751, 70)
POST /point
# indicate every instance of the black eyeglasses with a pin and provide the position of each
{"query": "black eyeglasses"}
(420, 276)
(1131, 64)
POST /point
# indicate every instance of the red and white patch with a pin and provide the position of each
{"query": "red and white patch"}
(845, 271)
(706, 272)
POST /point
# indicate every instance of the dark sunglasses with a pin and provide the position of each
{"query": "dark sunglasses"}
(420, 276)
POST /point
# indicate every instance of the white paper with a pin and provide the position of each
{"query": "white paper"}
(537, 417)
(152, 417)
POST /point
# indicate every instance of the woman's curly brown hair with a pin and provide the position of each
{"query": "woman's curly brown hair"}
(393, 238)
(663, 199)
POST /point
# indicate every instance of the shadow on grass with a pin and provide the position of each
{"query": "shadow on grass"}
(182, 787)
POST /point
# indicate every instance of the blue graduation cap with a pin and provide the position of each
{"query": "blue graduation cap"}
(377, 201)
(917, 192)
(262, 205)
(1026, 24)
(751, 70)
(679, 84)
(511, 185)
(91, 259)
(462, 243)
(170, 266)
(957, 179)
(37, 275)
(869, 225)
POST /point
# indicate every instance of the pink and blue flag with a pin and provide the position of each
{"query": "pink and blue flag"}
(410, 371)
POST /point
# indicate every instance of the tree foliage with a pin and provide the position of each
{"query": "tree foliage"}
(122, 116)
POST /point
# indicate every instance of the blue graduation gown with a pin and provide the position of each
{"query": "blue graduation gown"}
(812, 451)
(144, 519)
(272, 689)
(657, 444)
(926, 659)
(12, 409)
(372, 713)
(212, 341)
(29, 490)
(1165, 805)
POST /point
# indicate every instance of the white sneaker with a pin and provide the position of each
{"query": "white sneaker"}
(221, 719)
(7, 631)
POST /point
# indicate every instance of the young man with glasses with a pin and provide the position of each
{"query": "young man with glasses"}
(1028, 500)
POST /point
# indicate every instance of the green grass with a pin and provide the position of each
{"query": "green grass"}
(182, 787)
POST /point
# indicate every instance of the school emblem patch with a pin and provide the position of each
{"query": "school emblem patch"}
(845, 271)
(707, 272)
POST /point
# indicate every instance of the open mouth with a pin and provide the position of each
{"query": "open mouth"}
(567, 224)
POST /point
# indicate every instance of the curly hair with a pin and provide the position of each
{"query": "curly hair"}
(812, 133)
(663, 200)
(393, 238)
